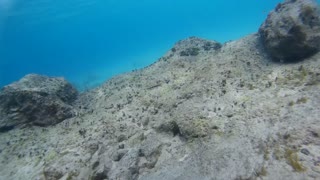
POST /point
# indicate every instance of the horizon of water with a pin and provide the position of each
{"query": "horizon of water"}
(88, 42)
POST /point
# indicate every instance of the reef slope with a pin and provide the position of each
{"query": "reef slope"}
(202, 111)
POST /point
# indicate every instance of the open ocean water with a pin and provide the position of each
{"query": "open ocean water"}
(89, 41)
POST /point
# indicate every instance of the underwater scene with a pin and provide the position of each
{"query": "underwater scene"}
(88, 42)
(159, 90)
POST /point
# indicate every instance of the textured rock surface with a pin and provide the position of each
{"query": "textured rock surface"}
(36, 100)
(224, 113)
(292, 31)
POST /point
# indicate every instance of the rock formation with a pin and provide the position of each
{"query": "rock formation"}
(292, 31)
(36, 100)
(202, 111)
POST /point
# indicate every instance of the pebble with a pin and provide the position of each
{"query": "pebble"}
(305, 151)
(121, 146)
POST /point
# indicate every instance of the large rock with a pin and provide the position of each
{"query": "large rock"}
(36, 100)
(292, 31)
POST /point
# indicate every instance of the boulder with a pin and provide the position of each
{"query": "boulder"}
(292, 31)
(36, 100)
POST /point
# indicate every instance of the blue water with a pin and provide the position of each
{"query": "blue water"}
(89, 41)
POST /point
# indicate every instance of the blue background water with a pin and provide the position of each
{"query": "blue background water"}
(90, 41)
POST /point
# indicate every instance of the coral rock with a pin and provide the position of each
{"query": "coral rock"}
(292, 31)
(36, 100)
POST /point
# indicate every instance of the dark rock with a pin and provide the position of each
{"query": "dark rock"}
(6, 128)
(36, 100)
(83, 132)
(305, 151)
(122, 137)
(169, 127)
(93, 147)
(101, 173)
(121, 146)
(52, 173)
(192, 46)
(292, 31)
(119, 154)
(211, 46)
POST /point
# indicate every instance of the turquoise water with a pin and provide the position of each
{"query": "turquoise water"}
(90, 41)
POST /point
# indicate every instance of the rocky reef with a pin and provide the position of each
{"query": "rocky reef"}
(204, 110)
(36, 100)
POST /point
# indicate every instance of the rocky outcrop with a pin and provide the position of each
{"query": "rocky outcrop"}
(292, 31)
(36, 100)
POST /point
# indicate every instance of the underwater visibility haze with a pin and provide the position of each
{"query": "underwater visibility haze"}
(215, 89)
(88, 42)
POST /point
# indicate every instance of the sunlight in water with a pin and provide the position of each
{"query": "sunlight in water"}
(5, 6)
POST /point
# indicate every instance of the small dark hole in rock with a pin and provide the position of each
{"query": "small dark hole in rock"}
(6, 129)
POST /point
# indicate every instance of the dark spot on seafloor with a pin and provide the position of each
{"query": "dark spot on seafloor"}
(314, 134)
(215, 127)
(175, 129)
(6, 129)
(286, 136)
(95, 165)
